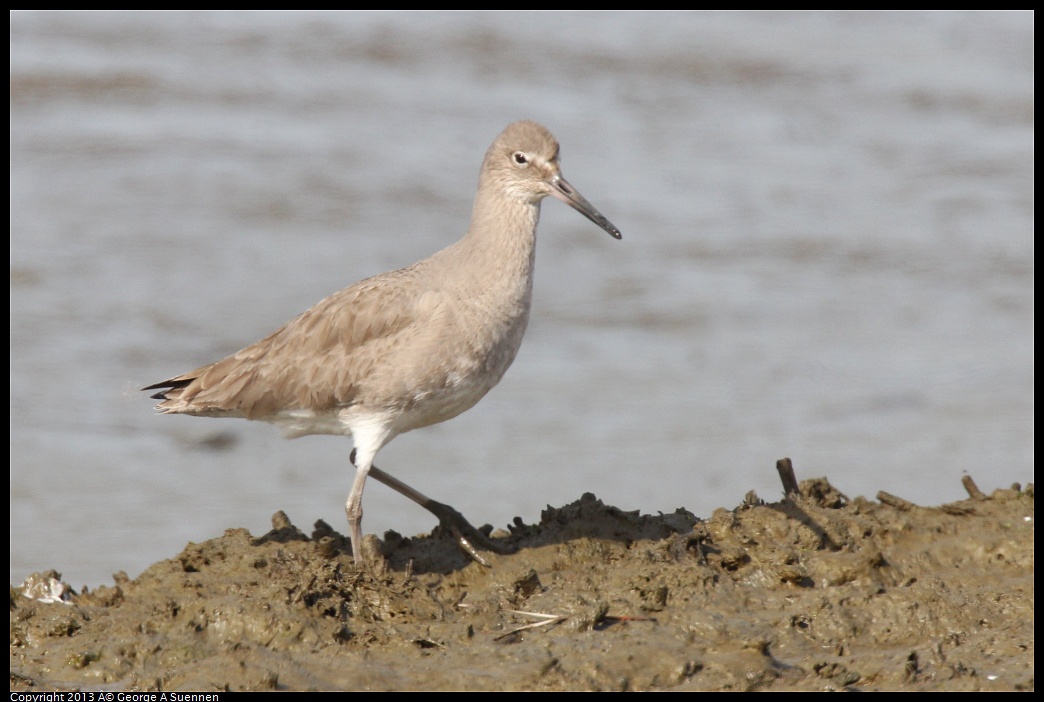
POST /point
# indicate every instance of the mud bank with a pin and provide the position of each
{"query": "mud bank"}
(814, 592)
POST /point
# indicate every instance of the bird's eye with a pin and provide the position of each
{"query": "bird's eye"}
(520, 159)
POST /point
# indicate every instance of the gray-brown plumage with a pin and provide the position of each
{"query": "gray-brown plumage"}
(404, 349)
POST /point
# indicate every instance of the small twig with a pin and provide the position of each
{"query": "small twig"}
(547, 620)
(785, 468)
(893, 501)
(972, 488)
(538, 615)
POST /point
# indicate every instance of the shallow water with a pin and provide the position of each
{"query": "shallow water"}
(827, 254)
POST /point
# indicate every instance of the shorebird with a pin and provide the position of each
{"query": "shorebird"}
(404, 349)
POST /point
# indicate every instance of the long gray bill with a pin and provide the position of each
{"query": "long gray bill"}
(565, 192)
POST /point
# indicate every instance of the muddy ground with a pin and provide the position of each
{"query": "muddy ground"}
(816, 592)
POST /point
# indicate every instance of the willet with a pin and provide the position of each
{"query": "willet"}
(408, 348)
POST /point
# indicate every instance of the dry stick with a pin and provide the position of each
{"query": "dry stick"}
(893, 501)
(785, 468)
(546, 620)
(972, 488)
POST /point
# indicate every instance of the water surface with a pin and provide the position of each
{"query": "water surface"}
(827, 254)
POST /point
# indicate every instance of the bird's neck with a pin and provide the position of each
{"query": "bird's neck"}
(498, 217)
(501, 241)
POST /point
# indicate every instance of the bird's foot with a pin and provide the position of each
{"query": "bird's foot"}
(467, 536)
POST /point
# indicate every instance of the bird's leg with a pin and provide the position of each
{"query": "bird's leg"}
(353, 507)
(449, 518)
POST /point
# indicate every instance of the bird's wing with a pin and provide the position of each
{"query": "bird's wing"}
(313, 362)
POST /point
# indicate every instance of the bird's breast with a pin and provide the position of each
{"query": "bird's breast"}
(463, 365)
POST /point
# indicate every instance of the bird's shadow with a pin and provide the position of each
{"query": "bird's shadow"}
(441, 552)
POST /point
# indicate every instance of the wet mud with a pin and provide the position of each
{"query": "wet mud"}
(813, 592)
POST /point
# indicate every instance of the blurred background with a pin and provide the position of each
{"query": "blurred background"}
(827, 254)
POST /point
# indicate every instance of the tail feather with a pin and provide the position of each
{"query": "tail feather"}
(167, 386)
